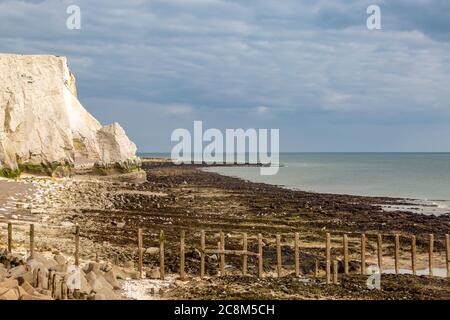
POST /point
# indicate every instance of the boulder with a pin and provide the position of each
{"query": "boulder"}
(112, 279)
(9, 284)
(60, 259)
(105, 294)
(16, 271)
(152, 251)
(35, 297)
(119, 273)
(9, 294)
(28, 287)
(39, 261)
(97, 282)
(85, 287)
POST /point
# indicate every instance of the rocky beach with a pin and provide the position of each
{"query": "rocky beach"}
(174, 198)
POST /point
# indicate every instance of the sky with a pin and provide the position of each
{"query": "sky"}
(310, 68)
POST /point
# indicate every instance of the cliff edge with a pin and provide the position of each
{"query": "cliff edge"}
(45, 129)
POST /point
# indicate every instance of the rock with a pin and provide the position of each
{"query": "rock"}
(112, 279)
(84, 285)
(105, 294)
(60, 259)
(94, 267)
(116, 148)
(40, 261)
(97, 282)
(35, 297)
(27, 287)
(9, 284)
(9, 294)
(60, 268)
(154, 273)
(45, 129)
(119, 273)
(152, 251)
(129, 265)
(17, 271)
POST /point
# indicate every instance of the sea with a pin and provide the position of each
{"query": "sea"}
(422, 177)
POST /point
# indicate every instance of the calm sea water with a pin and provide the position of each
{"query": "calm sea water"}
(424, 176)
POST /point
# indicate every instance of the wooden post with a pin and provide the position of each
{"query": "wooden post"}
(278, 255)
(53, 285)
(49, 280)
(202, 254)
(222, 255)
(447, 253)
(162, 269)
(35, 277)
(397, 254)
(345, 245)
(63, 289)
(245, 257)
(297, 254)
(140, 252)
(77, 245)
(32, 241)
(363, 254)
(380, 252)
(9, 237)
(260, 256)
(413, 254)
(335, 272)
(182, 255)
(328, 258)
(316, 268)
(430, 254)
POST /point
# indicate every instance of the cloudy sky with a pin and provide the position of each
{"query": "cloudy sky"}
(308, 67)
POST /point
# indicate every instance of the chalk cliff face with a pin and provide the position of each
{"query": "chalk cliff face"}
(44, 126)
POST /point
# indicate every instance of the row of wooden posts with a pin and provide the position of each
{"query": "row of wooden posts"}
(245, 253)
(221, 251)
(32, 243)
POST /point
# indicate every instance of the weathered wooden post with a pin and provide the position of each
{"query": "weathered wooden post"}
(335, 272)
(202, 253)
(328, 258)
(316, 268)
(222, 255)
(430, 253)
(49, 279)
(35, 276)
(260, 256)
(297, 254)
(32, 241)
(363, 253)
(244, 257)
(140, 252)
(345, 245)
(380, 252)
(63, 288)
(9, 237)
(413, 254)
(279, 255)
(397, 254)
(162, 269)
(182, 255)
(447, 253)
(77, 245)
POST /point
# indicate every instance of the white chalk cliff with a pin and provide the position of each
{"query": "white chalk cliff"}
(43, 125)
